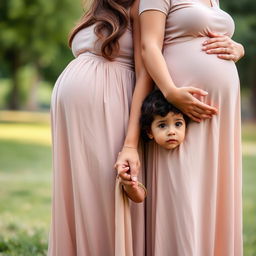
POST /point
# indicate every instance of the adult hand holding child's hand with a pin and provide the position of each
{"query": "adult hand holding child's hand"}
(128, 167)
(128, 161)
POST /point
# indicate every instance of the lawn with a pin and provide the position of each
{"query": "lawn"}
(25, 191)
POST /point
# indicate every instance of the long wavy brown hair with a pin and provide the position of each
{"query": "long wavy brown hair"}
(111, 18)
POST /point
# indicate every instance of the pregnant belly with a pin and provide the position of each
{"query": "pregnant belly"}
(190, 66)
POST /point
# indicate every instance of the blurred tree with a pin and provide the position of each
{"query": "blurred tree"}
(244, 13)
(33, 32)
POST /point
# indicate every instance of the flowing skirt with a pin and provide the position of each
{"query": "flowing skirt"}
(90, 111)
(194, 205)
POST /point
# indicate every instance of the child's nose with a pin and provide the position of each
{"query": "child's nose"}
(171, 132)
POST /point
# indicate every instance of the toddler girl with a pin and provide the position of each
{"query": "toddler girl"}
(164, 123)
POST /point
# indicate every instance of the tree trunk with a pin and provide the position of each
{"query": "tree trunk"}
(253, 90)
(14, 95)
(32, 102)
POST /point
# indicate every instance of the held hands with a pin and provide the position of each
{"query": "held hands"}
(224, 47)
(128, 161)
(128, 167)
(185, 99)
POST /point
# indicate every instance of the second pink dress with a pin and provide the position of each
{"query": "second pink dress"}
(194, 202)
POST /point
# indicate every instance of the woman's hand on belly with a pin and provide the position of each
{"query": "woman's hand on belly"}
(184, 98)
(224, 47)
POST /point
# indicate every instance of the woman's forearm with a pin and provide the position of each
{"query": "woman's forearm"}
(152, 37)
(157, 68)
(143, 83)
(142, 89)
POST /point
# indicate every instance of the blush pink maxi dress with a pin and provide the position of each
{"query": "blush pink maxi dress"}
(90, 111)
(194, 201)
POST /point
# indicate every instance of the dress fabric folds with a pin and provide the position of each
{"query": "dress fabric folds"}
(90, 112)
(194, 205)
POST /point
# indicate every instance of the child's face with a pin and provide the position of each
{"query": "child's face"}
(168, 131)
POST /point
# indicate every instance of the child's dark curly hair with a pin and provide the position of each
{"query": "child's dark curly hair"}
(155, 104)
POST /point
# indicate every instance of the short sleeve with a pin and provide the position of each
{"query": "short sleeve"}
(160, 5)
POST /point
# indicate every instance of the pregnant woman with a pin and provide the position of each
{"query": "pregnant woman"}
(194, 191)
(90, 110)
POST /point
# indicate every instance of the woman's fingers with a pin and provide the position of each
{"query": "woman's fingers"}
(206, 108)
(203, 114)
(185, 98)
(203, 108)
(197, 91)
(227, 56)
(198, 106)
(219, 51)
(224, 47)
(122, 169)
(126, 179)
(223, 53)
(125, 176)
(123, 173)
(194, 118)
(214, 45)
(128, 157)
(120, 164)
(214, 40)
(196, 115)
(134, 170)
(217, 38)
(127, 183)
(218, 42)
(201, 111)
(200, 116)
(214, 35)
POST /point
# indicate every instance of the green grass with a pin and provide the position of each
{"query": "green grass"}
(249, 204)
(249, 133)
(25, 191)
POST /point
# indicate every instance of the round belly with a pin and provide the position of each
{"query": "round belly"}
(190, 66)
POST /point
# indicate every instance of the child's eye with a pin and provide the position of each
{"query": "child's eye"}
(178, 124)
(162, 125)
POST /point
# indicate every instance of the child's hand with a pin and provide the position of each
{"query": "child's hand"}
(133, 189)
(124, 174)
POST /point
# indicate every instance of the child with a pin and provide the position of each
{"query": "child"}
(164, 123)
(161, 121)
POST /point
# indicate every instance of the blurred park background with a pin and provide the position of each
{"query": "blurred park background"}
(33, 52)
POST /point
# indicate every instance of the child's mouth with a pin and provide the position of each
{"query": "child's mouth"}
(172, 141)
